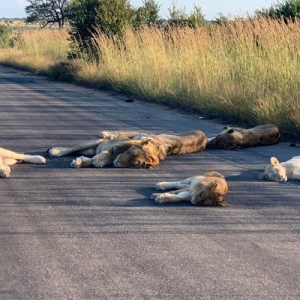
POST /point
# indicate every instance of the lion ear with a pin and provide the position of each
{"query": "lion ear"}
(274, 161)
(145, 140)
(212, 185)
(262, 176)
(231, 130)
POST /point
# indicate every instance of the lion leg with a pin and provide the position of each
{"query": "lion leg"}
(11, 157)
(154, 195)
(164, 185)
(102, 159)
(61, 151)
(4, 169)
(81, 162)
(110, 135)
(10, 161)
(172, 197)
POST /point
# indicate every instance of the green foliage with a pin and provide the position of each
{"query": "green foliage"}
(196, 18)
(179, 17)
(4, 36)
(47, 12)
(110, 17)
(220, 19)
(289, 9)
(148, 14)
(87, 16)
(113, 16)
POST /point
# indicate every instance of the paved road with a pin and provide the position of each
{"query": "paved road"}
(96, 234)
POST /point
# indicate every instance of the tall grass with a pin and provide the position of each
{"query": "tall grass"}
(37, 51)
(244, 71)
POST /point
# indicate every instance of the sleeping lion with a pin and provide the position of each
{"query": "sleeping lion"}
(132, 149)
(8, 158)
(234, 137)
(207, 189)
(277, 171)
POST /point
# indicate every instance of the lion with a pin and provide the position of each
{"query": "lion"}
(282, 171)
(8, 158)
(234, 137)
(207, 189)
(132, 149)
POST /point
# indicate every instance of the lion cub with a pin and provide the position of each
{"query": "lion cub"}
(207, 189)
(282, 171)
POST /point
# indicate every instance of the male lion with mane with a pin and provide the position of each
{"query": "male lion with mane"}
(234, 137)
(277, 171)
(8, 158)
(209, 188)
(132, 149)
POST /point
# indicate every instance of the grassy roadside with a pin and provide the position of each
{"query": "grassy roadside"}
(244, 71)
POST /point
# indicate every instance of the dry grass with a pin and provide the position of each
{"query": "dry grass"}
(245, 71)
(37, 51)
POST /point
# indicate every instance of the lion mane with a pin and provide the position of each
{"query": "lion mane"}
(133, 149)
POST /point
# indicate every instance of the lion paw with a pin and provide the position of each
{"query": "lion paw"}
(80, 162)
(99, 161)
(154, 195)
(4, 171)
(160, 186)
(161, 198)
(37, 159)
(55, 151)
(108, 135)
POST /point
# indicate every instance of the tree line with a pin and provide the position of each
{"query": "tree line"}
(110, 15)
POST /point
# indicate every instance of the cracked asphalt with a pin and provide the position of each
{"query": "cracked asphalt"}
(96, 234)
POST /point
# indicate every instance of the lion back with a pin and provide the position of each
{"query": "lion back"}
(187, 142)
(267, 134)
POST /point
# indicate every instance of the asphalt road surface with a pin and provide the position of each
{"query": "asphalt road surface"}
(96, 234)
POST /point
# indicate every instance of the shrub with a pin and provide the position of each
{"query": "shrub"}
(4, 36)
(110, 16)
(288, 9)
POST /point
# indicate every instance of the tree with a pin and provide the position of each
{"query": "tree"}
(288, 9)
(179, 17)
(147, 14)
(220, 19)
(87, 16)
(47, 12)
(196, 17)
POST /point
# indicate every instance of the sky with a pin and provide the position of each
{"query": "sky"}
(210, 8)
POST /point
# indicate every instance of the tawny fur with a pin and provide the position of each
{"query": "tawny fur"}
(132, 149)
(234, 137)
(277, 171)
(155, 148)
(8, 158)
(208, 189)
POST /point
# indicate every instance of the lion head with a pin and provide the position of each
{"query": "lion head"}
(275, 171)
(225, 140)
(144, 155)
(210, 194)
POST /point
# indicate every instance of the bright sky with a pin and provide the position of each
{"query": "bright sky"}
(210, 8)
